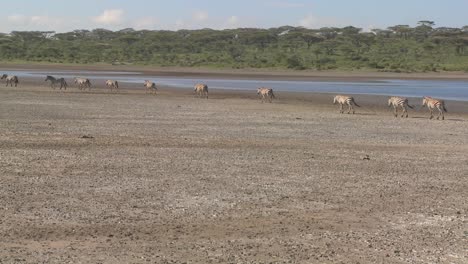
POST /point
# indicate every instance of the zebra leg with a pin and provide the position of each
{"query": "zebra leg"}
(395, 112)
(432, 115)
(440, 114)
(405, 111)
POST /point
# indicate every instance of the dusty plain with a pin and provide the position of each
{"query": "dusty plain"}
(128, 177)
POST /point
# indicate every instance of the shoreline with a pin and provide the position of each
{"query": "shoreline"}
(273, 74)
(372, 103)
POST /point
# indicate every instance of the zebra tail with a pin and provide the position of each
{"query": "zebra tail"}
(410, 106)
(356, 104)
(273, 95)
(445, 109)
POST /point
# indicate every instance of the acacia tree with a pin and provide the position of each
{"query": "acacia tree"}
(424, 29)
(402, 31)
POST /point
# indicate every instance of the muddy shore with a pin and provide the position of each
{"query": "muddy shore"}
(271, 74)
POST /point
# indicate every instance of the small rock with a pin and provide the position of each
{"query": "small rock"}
(87, 137)
(366, 157)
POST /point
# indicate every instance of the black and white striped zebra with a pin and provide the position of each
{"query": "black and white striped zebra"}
(83, 83)
(266, 94)
(150, 86)
(54, 81)
(10, 79)
(201, 90)
(399, 102)
(345, 100)
(112, 84)
(432, 103)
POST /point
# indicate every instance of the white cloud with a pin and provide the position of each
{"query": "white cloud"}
(200, 16)
(110, 17)
(145, 23)
(22, 22)
(17, 19)
(368, 28)
(311, 21)
(233, 20)
(308, 21)
(46, 21)
(179, 24)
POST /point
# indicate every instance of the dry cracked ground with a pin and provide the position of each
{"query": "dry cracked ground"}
(95, 177)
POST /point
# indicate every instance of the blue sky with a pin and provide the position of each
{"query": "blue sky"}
(65, 15)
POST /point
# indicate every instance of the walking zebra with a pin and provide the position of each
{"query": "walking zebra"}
(10, 79)
(201, 90)
(344, 99)
(112, 84)
(54, 81)
(83, 83)
(150, 87)
(432, 103)
(266, 94)
(401, 102)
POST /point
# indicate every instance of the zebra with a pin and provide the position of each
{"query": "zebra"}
(150, 87)
(201, 90)
(432, 103)
(112, 84)
(401, 102)
(344, 99)
(266, 94)
(83, 83)
(10, 79)
(54, 81)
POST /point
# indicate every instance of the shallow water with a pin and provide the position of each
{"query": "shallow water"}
(444, 89)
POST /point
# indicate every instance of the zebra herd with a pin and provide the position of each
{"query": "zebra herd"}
(266, 94)
(396, 102)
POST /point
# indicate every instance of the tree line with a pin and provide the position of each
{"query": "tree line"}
(399, 48)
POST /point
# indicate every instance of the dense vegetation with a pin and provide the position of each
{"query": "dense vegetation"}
(399, 48)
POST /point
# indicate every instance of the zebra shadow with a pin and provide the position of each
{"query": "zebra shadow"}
(435, 118)
(365, 114)
(455, 119)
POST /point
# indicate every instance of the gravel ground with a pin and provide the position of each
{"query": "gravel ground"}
(95, 177)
